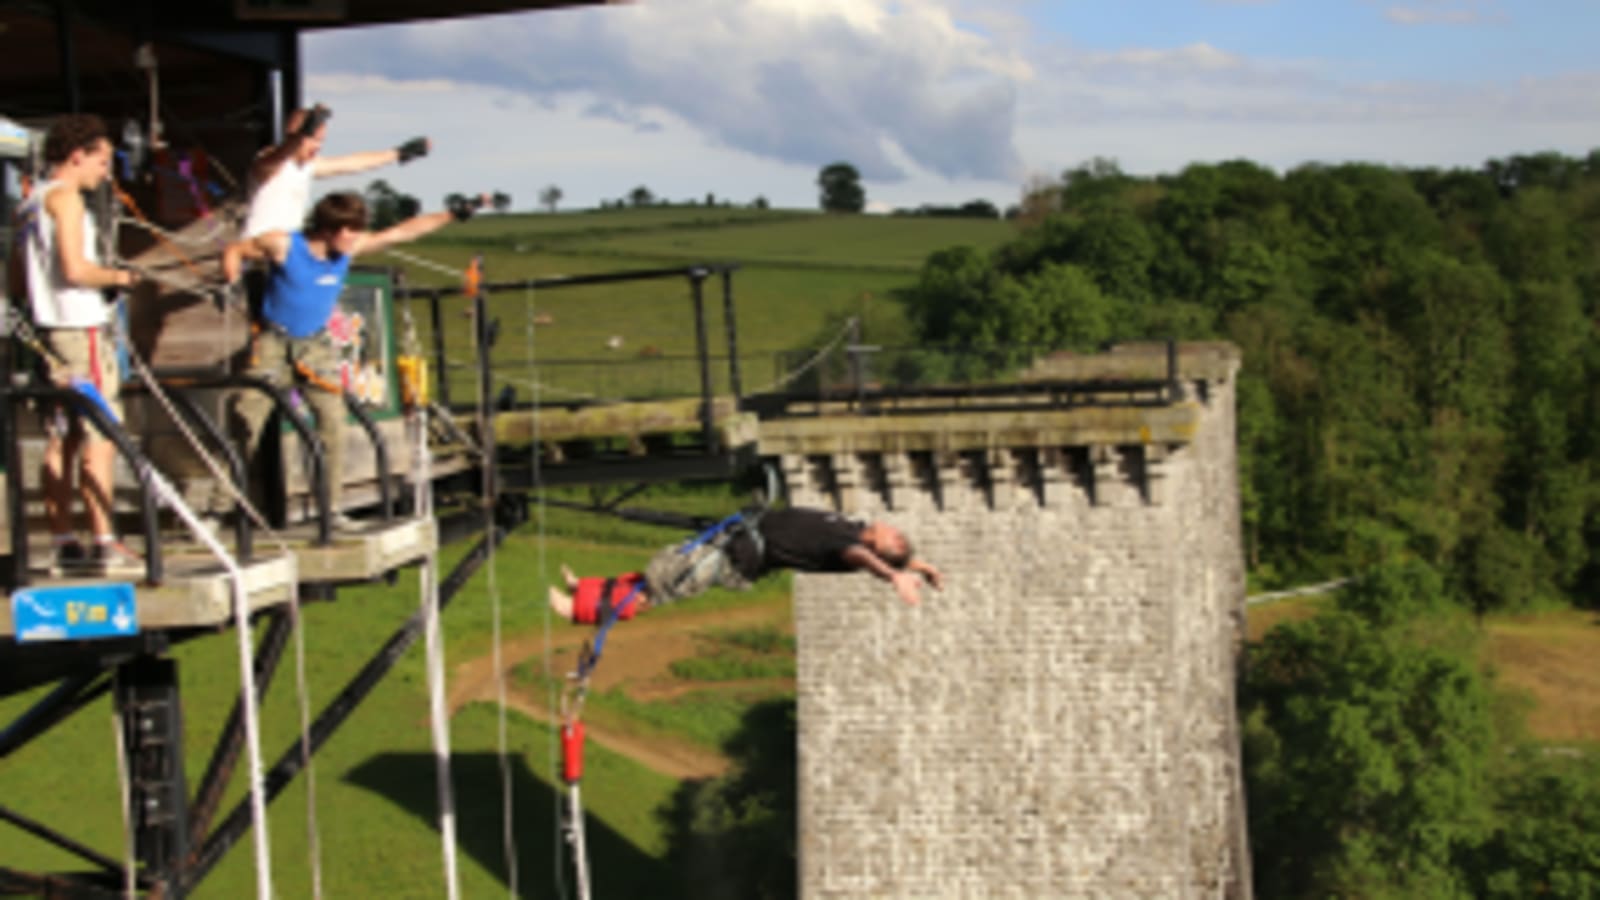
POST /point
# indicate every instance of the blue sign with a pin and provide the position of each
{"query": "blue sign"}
(75, 612)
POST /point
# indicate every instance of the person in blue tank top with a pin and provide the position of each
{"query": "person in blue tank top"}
(305, 275)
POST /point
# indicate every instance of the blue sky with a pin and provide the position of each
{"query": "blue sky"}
(943, 101)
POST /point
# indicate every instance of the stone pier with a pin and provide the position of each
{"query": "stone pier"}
(1060, 720)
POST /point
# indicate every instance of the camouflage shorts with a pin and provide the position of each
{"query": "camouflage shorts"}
(674, 574)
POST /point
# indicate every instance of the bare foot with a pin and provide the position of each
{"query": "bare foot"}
(560, 603)
(568, 577)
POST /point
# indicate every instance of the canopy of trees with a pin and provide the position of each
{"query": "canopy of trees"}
(1420, 363)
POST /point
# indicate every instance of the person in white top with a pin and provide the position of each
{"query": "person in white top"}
(57, 259)
(280, 177)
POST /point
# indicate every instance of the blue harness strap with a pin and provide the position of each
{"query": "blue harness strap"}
(591, 655)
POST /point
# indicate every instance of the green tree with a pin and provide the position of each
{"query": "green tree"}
(1547, 843)
(641, 196)
(383, 204)
(1366, 760)
(840, 187)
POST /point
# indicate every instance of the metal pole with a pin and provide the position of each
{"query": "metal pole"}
(580, 851)
(485, 344)
(441, 373)
(17, 514)
(731, 326)
(68, 48)
(697, 278)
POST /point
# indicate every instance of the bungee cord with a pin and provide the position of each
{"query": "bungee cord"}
(433, 638)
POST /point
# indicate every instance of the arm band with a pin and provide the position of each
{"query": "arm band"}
(463, 209)
(412, 149)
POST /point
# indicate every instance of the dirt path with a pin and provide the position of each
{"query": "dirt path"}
(637, 657)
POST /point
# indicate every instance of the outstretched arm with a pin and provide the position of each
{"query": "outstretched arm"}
(416, 226)
(905, 582)
(928, 571)
(352, 163)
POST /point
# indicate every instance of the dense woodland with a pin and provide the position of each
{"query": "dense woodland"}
(1419, 407)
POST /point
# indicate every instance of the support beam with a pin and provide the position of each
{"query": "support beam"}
(339, 709)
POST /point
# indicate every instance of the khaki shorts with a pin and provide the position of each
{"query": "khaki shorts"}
(89, 354)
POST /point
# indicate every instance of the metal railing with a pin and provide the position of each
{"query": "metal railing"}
(101, 420)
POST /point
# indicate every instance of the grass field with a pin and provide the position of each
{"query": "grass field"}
(800, 276)
(1545, 661)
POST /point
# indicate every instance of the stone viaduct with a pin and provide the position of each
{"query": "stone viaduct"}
(1060, 720)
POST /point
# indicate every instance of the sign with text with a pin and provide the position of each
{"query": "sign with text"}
(74, 612)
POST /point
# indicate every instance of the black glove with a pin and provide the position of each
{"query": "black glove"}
(463, 208)
(316, 117)
(412, 149)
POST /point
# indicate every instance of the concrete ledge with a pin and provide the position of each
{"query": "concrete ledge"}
(975, 430)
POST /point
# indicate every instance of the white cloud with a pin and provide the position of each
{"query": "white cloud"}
(934, 105)
(802, 81)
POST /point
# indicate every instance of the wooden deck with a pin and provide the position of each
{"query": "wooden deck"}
(196, 590)
(196, 593)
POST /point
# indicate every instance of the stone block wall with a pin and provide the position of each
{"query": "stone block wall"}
(1060, 720)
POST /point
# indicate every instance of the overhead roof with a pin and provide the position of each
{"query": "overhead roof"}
(318, 13)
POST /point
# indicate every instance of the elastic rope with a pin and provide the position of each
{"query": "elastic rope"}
(438, 714)
(228, 561)
(507, 802)
(241, 615)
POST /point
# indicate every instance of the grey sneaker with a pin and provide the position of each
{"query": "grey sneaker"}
(340, 522)
(115, 559)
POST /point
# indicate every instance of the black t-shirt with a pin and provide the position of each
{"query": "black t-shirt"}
(811, 540)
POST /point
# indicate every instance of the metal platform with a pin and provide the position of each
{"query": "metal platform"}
(195, 593)
(365, 553)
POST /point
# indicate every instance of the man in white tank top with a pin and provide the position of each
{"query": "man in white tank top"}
(280, 177)
(64, 277)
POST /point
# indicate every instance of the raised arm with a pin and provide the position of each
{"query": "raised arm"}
(65, 205)
(302, 126)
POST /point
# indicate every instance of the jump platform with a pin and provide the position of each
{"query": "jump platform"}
(196, 591)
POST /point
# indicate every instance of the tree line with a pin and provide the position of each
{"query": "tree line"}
(1419, 353)
(1418, 404)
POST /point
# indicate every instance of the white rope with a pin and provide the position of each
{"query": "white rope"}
(130, 882)
(438, 713)
(507, 801)
(811, 363)
(453, 273)
(228, 561)
(241, 616)
(433, 635)
(552, 691)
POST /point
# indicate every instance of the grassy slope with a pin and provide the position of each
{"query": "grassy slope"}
(799, 275)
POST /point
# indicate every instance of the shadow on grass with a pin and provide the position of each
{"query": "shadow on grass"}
(733, 838)
(619, 869)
